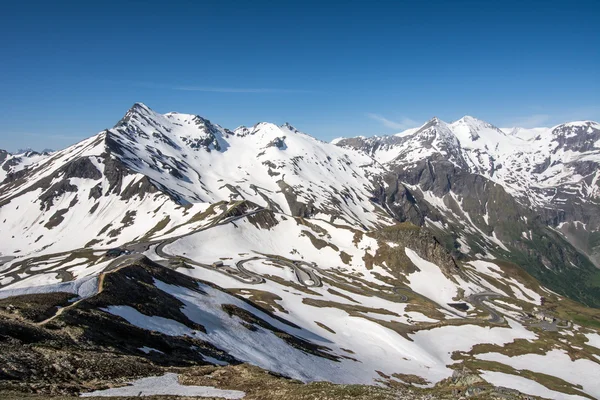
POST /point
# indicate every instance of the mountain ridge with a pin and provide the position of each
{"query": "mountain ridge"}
(393, 261)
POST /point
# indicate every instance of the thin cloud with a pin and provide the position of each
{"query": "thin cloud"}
(540, 120)
(404, 123)
(531, 121)
(238, 90)
(48, 135)
(584, 113)
(219, 89)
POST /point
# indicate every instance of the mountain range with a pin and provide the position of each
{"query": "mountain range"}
(453, 256)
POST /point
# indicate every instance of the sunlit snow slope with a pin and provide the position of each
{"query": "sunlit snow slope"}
(372, 260)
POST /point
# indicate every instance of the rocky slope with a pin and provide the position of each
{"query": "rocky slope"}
(87, 348)
(154, 166)
(398, 261)
(531, 196)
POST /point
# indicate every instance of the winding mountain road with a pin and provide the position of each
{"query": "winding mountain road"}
(478, 299)
(305, 272)
(113, 267)
(403, 297)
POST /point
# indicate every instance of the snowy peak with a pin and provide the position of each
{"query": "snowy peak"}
(289, 127)
(577, 124)
(138, 112)
(182, 131)
(187, 161)
(580, 136)
(12, 164)
(527, 162)
(437, 128)
(179, 131)
(144, 129)
(470, 129)
(437, 135)
(474, 123)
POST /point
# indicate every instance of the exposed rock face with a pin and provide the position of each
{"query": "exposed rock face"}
(86, 343)
(469, 180)
(371, 145)
(114, 172)
(278, 142)
(407, 235)
(264, 219)
(400, 201)
(80, 168)
(580, 138)
(297, 208)
(465, 377)
(3, 155)
(55, 191)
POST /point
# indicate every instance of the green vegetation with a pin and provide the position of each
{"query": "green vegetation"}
(571, 274)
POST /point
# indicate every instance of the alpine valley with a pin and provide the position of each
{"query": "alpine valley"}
(453, 260)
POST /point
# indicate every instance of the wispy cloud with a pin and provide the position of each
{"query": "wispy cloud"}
(540, 119)
(238, 90)
(192, 88)
(403, 123)
(584, 113)
(48, 136)
(531, 121)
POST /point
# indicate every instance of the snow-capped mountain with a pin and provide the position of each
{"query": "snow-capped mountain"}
(147, 157)
(275, 166)
(503, 186)
(525, 161)
(414, 259)
(11, 164)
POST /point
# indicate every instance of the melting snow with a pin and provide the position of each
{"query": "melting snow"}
(555, 363)
(430, 281)
(167, 384)
(593, 340)
(84, 287)
(525, 385)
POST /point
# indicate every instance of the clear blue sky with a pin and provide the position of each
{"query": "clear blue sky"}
(69, 69)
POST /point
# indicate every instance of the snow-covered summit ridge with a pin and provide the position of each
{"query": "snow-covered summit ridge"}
(470, 126)
(525, 161)
(197, 160)
(180, 160)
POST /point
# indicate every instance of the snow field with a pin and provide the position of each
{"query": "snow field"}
(168, 385)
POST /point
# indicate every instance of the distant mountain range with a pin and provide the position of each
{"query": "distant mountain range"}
(526, 191)
(30, 150)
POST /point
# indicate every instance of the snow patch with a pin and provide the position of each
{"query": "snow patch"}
(166, 385)
(525, 385)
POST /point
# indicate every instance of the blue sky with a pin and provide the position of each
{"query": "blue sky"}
(72, 68)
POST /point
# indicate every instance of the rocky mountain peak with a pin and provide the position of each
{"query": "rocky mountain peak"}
(436, 130)
(580, 136)
(289, 126)
(140, 107)
(242, 131)
(473, 123)
(471, 129)
(137, 109)
(3, 155)
(577, 128)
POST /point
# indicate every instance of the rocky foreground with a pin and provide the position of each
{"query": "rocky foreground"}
(45, 353)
